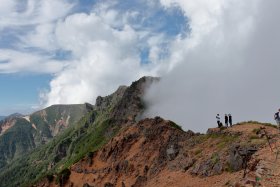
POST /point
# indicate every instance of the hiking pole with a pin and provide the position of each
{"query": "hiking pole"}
(277, 151)
(267, 138)
(245, 168)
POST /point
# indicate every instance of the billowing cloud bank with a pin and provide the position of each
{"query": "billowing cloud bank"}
(109, 46)
(229, 64)
(106, 52)
(89, 48)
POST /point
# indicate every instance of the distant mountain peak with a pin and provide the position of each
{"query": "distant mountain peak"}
(15, 115)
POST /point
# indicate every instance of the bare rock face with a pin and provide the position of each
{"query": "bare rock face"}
(239, 155)
(131, 105)
(172, 152)
(209, 167)
(102, 103)
(235, 159)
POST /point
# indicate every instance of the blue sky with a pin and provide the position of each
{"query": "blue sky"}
(19, 92)
(31, 56)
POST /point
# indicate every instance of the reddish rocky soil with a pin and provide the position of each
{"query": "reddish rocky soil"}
(154, 152)
(6, 124)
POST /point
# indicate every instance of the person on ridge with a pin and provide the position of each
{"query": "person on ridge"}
(277, 118)
(226, 120)
(218, 120)
(230, 120)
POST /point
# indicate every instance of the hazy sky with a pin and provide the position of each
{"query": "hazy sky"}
(214, 56)
(229, 64)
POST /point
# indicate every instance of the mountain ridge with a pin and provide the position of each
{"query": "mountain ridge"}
(113, 146)
(157, 152)
(89, 134)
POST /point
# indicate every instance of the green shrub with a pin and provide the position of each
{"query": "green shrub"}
(215, 158)
(256, 131)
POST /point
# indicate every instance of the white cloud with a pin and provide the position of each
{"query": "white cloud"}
(32, 12)
(106, 53)
(6, 6)
(14, 61)
(104, 58)
(32, 22)
(228, 64)
(41, 37)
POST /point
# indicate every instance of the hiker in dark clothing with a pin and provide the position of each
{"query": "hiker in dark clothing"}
(277, 118)
(230, 120)
(226, 120)
(218, 120)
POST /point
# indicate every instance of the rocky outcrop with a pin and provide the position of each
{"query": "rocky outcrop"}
(209, 167)
(131, 106)
(103, 103)
(240, 155)
(8, 122)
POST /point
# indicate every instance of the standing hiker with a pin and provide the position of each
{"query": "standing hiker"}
(277, 118)
(230, 120)
(218, 120)
(226, 120)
